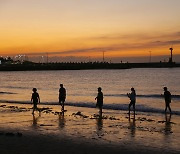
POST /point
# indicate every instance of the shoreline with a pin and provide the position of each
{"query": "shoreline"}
(85, 132)
(119, 108)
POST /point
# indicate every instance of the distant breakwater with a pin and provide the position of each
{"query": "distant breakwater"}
(82, 66)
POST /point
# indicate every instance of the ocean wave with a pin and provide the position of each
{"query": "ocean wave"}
(123, 107)
(2, 92)
(155, 96)
(143, 96)
(15, 87)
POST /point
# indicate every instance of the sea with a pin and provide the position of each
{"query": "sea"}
(81, 87)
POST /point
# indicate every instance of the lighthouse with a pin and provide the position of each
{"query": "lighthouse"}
(170, 59)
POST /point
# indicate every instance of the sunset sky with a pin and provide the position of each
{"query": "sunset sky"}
(121, 28)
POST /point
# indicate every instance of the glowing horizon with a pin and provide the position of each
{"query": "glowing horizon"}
(85, 28)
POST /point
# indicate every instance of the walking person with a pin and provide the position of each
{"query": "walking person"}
(132, 97)
(62, 96)
(35, 99)
(99, 99)
(167, 97)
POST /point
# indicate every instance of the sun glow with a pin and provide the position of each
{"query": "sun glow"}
(79, 29)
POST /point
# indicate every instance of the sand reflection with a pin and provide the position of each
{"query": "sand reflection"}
(62, 121)
(168, 126)
(132, 125)
(99, 125)
(35, 121)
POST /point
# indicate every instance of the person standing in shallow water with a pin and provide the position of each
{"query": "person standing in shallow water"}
(35, 99)
(132, 97)
(167, 97)
(62, 96)
(99, 99)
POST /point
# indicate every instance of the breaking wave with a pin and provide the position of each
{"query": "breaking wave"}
(142, 96)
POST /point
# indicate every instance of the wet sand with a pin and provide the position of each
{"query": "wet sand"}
(81, 130)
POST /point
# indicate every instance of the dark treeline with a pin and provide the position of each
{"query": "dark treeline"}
(28, 66)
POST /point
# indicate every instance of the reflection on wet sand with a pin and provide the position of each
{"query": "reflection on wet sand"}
(132, 125)
(168, 126)
(99, 125)
(62, 121)
(35, 121)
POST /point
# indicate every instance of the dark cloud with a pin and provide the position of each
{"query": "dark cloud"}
(120, 47)
(136, 36)
(67, 51)
(119, 37)
(174, 42)
(115, 47)
(164, 43)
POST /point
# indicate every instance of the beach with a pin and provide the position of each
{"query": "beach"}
(81, 130)
(113, 64)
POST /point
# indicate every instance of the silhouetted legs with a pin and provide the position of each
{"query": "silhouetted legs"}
(35, 108)
(134, 116)
(168, 106)
(132, 103)
(100, 111)
(62, 105)
(62, 109)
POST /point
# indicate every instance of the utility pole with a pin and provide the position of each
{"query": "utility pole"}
(47, 57)
(150, 56)
(103, 56)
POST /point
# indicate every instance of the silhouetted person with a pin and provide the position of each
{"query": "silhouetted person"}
(62, 96)
(167, 97)
(35, 99)
(99, 99)
(132, 97)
